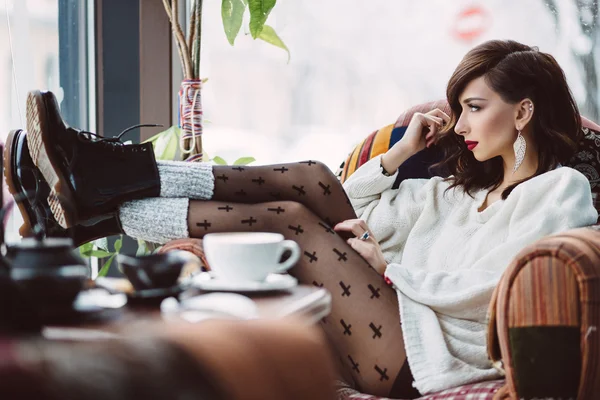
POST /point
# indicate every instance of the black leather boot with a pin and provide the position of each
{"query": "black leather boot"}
(30, 190)
(88, 176)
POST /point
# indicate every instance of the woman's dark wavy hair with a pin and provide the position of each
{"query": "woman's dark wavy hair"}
(514, 71)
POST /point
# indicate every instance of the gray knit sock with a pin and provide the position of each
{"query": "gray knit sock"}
(192, 180)
(155, 219)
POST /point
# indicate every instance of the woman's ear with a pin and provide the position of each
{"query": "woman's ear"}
(524, 113)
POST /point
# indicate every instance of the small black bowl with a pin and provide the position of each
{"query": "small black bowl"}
(155, 271)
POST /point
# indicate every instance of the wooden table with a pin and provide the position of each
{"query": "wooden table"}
(308, 302)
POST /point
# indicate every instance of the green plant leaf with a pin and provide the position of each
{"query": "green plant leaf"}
(259, 12)
(154, 138)
(118, 244)
(99, 253)
(244, 161)
(104, 270)
(165, 147)
(142, 249)
(85, 248)
(269, 35)
(219, 161)
(232, 12)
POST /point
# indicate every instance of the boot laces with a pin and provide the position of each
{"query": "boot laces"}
(116, 140)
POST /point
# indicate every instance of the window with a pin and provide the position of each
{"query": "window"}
(355, 68)
(49, 51)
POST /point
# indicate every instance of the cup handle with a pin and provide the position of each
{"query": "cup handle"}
(294, 257)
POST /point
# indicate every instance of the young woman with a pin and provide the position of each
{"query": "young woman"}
(442, 244)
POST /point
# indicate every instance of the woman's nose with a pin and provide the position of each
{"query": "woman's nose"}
(460, 128)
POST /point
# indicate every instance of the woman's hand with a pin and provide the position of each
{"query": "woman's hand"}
(423, 129)
(368, 248)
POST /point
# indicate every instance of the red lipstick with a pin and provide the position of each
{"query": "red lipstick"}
(470, 144)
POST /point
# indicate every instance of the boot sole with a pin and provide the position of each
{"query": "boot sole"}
(26, 229)
(60, 199)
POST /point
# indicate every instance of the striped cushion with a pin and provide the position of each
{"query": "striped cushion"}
(382, 139)
(376, 143)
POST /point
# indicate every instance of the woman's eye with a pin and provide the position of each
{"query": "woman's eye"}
(473, 107)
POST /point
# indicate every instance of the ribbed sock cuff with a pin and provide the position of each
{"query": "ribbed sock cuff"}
(156, 220)
(194, 180)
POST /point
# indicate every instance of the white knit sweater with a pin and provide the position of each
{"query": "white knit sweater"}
(445, 257)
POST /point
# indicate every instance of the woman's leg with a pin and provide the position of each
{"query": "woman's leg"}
(310, 183)
(164, 218)
(364, 325)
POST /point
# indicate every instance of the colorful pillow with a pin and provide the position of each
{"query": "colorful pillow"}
(381, 140)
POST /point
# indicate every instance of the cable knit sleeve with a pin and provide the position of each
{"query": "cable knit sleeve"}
(389, 213)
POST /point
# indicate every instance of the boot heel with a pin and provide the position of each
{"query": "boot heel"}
(25, 229)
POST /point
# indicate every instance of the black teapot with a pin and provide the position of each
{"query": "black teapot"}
(48, 271)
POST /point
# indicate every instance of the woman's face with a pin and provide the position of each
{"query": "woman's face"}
(487, 123)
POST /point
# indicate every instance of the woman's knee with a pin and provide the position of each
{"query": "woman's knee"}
(324, 173)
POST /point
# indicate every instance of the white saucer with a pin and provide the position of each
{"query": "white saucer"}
(207, 281)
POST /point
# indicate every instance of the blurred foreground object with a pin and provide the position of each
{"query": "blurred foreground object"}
(212, 360)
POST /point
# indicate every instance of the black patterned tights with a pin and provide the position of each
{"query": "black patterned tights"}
(303, 201)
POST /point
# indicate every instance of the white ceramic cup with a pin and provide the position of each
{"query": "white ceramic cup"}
(248, 256)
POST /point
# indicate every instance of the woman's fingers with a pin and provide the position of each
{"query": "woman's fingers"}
(434, 124)
(356, 226)
(367, 248)
(362, 247)
(439, 120)
(440, 114)
(431, 120)
(370, 251)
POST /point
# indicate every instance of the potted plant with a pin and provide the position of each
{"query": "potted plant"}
(189, 49)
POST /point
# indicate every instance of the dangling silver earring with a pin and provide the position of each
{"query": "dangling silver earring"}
(519, 147)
